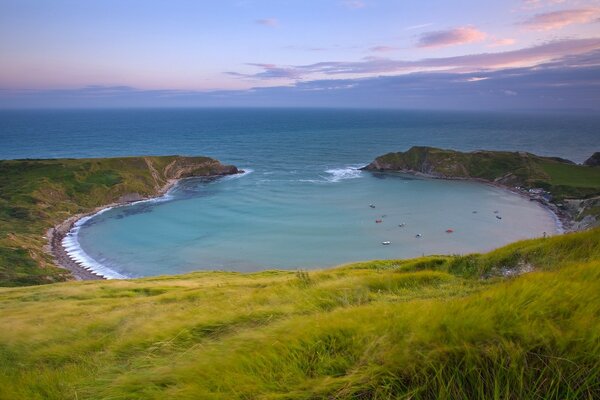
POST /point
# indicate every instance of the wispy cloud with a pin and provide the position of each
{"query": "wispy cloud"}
(571, 82)
(270, 71)
(467, 63)
(382, 49)
(499, 42)
(419, 26)
(272, 22)
(528, 4)
(451, 37)
(560, 19)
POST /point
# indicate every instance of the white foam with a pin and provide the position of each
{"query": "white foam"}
(71, 245)
(247, 171)
(338, 174)
(73, 249)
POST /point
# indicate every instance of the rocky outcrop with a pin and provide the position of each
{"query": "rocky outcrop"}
(185, 167)
(594, 160)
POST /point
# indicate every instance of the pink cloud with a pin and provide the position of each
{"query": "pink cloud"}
(559, 19)
(540, 3)
(466, 63)
(498, 42)
(272, 22)
(451, 37)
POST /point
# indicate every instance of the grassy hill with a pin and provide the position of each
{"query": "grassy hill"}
(428, 328)
(38, 194)
(562, 178)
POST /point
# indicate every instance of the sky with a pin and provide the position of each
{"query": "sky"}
(506, 54)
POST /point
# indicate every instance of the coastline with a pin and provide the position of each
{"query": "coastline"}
(563, 221)
(57, 234)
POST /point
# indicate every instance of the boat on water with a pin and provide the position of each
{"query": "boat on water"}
(449, 230)
(386, 242)
(418, 235)
(372, 205)
(499, 217)
(378, 221)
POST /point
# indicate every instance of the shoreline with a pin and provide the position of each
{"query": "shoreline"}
(563, 221)
(57, 234)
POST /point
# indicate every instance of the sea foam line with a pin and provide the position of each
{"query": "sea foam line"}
(76, 253)
(338, 174)
(247, 171)
(73, 249)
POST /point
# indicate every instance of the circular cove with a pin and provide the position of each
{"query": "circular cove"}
(274, 220)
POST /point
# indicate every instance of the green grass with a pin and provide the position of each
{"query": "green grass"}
(38, 194)
(427, 328)
(560, 177)
(572, 175)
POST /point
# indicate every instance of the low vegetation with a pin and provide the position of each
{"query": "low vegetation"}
(38, 194)
(473, 326)
(562, 178)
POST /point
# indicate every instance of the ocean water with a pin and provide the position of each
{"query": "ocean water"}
(302, 203)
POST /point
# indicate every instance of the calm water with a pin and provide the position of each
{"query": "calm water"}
(303, 203)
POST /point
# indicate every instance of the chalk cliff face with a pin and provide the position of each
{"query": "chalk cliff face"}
(179, 167)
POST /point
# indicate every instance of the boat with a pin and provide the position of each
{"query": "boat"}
(499, 217)
(418, 235)
(402, 225)
(372, 205)
(386, 242)
(378, 221)
(449, 230)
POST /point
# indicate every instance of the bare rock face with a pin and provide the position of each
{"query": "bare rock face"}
(185, 167)
(594, 160)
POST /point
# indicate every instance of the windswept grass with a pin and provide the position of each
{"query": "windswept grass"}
(428, 328)
(38, 194)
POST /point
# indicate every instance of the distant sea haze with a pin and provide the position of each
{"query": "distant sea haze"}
(288, 138)
(302, 203)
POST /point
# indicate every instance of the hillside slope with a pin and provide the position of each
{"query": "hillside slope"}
(574, 189)
(38, 194)
(428, 328)
(562, 178)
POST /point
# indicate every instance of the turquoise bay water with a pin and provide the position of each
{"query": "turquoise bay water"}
(304, 204)
(262, 221)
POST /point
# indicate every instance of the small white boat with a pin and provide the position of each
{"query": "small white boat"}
(418, 235)
(402, 225)
(386, 242)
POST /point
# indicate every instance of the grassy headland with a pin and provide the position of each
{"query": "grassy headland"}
(36, 195)
(427, 328)
(562, 179)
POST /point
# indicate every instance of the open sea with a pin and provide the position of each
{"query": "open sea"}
(302, 203)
